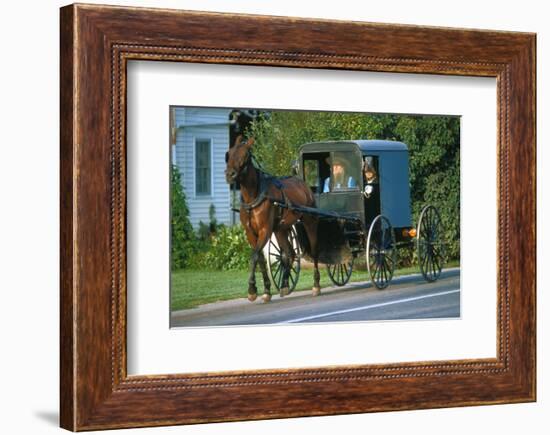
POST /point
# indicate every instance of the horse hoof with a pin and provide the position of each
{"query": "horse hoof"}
(266, 297)
(316, 291)
(252, 297)
(285, 291)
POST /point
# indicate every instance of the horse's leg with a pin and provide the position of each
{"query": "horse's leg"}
(267, 282)
(252, 290)
(263, 238)
(286, 258)
(310, 225)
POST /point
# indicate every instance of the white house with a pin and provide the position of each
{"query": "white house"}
(200, 139)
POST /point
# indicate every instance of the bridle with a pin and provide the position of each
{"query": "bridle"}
(247, 160)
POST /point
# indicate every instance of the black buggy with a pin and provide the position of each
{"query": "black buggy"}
(363, 205)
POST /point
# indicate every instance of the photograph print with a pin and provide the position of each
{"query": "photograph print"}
(292, 217)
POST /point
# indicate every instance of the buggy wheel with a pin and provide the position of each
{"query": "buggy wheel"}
(340, 273)
(381, 252)
(275, 264)
(429, 243)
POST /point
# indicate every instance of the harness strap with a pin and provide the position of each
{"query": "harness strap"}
(265, 182)
(248, 206)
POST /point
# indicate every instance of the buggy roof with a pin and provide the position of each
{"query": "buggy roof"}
(364, 145)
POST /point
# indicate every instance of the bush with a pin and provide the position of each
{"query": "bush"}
(183, 236)
(206, 231)
(213, 246)
(228, 250)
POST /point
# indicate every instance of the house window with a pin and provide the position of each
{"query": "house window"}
(203, 167)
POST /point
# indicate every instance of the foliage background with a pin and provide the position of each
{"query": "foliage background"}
(434, 150)
(434, 174)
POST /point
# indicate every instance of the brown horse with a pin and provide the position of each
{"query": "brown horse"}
(261, 218)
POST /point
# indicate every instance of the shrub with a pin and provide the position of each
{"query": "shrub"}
(183, 236)
(203, 232)
(206, 231)
(229, 249)
(213, 227)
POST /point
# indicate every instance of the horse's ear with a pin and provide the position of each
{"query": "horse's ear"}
(250, 142)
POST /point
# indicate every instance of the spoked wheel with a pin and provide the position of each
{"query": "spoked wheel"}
(340, 274)
(430, 245)
(381, 252)
(275, 264)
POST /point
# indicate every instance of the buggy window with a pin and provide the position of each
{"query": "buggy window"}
(370, 170)
(345, 171)
(311, 173)
(316, 169)
(371, 190)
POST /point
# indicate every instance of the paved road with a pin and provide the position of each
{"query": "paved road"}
(408, 297)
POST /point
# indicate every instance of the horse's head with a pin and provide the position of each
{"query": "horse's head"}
(237, 158)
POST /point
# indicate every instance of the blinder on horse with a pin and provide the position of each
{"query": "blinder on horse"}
(243, 166)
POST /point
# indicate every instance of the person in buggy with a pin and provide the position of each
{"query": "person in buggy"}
(339, 178)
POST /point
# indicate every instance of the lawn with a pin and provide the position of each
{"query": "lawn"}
(191, 288)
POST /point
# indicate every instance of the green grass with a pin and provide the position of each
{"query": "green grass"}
(191, 288)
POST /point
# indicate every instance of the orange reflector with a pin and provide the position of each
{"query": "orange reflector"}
(409, 232)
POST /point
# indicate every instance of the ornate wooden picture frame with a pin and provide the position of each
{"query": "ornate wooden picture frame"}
(96, 44)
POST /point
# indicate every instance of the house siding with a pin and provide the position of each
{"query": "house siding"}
(211, 124)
